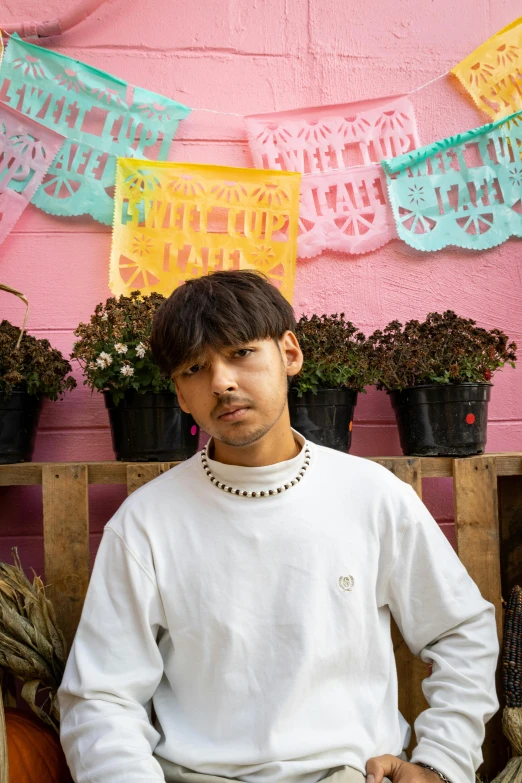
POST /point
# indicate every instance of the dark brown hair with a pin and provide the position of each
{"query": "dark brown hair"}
(221, 309)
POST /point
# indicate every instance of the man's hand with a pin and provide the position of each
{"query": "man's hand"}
(398, 771)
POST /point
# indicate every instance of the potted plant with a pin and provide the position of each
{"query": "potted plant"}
(336, 367)
(30, 370)
(437, 373)
(147, 424)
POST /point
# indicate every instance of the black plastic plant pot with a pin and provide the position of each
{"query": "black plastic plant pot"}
(442, 419)
(19, 416)
(151, 428)
(325, 418)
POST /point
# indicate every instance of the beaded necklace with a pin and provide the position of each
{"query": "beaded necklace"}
(261, 493)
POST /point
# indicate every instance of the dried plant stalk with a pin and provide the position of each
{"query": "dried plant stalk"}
(32, 646)
(4, 761)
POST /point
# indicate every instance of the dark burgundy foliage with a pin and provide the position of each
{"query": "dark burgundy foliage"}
(35, 367)
(444, 348)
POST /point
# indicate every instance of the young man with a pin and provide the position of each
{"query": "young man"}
(247, 592)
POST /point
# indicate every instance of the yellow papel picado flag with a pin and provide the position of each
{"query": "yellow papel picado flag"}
(176, 221)
(492, 74)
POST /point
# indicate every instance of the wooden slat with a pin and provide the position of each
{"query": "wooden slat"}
(478, 546)
(30, 473)
(139, 474)
(476, 525)
(107, 472)
(115, 472)
(66, 541)
(510, 520)
(410, 669)
(19, 475)
(431, 467)
(508, 464)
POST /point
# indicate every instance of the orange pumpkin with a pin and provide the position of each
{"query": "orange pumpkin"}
(33, 750)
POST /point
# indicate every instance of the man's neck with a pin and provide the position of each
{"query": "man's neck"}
(278, 445)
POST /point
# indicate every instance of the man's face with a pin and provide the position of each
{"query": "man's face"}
(237, 394)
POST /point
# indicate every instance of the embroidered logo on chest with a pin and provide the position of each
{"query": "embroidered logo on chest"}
(346, 582)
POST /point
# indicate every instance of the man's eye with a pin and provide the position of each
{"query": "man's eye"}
(193, 370)
(244, 352)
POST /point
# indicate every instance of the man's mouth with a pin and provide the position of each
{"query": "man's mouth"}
(233, 414)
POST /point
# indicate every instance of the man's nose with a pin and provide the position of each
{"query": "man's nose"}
(222, 379)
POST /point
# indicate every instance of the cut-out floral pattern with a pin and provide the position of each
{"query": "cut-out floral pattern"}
(142, 245)
(30, 66)
(69, 79)
(270, 193)
(228, 193)
(184, 185)
(107, 95)
(141, 182)
(28, 147)
(155, 111)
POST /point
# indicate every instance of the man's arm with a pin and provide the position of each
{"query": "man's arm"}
(112, 671)
(444, 619)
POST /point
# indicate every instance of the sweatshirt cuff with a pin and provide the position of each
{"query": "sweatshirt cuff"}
(442, 762)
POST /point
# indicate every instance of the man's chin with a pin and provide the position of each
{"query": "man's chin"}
(239, 435)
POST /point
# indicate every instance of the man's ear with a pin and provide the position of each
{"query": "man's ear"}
(182, 404)
(291, 353)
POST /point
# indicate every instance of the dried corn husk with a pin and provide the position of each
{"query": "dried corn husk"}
(32, 647)
(512, 674)
(4, 762)
(9, 290)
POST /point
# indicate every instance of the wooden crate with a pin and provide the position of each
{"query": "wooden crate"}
(485, 529)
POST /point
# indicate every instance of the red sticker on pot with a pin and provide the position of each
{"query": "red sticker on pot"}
(470, 418)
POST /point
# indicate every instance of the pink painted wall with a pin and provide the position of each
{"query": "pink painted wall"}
(249, 56)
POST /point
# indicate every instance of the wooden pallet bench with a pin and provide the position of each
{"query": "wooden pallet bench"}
(487, 493)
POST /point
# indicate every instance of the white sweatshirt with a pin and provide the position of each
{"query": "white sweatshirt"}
(232, 615)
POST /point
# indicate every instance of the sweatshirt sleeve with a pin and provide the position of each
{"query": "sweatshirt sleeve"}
(112, 671)
(444, 620)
